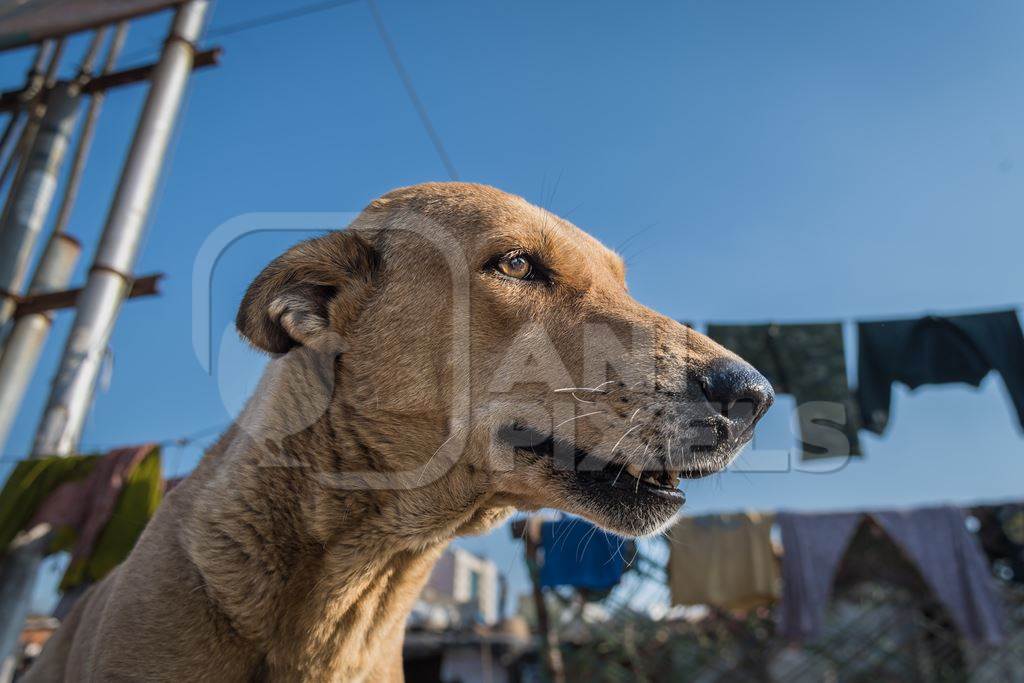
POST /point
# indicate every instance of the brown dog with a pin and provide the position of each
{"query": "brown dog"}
(454, 354)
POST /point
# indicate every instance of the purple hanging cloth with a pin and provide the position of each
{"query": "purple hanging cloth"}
(953, 565)
(935, 540)
(813, 545)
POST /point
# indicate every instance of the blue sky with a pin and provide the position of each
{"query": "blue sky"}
(794, 161)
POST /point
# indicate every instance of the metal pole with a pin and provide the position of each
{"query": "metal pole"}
(32, 194)
(92, 115)
(25, 342)
(110, 275)
(550, 647)
(34, 79)
(12, 133)
(100, 301)
(34, 99)
(18, 575)
(33, 83)
(39, 155)
(20, 566)
(22, 347)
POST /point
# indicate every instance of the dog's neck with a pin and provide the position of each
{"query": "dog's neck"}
(319, 577)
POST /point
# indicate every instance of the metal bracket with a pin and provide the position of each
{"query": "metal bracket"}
(13, 99)
(145, 285)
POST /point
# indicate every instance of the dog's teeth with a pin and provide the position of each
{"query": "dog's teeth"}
(634, 470)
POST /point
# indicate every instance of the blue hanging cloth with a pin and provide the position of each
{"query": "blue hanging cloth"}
(578, 554)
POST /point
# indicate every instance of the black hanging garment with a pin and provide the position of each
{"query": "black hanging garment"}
(937, 350)
(807, 362)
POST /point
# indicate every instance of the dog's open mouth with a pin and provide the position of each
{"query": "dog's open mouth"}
(605, 482)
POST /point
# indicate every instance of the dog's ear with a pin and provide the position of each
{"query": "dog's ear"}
(309, 294)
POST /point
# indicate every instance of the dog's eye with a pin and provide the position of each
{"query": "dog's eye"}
(515, 266)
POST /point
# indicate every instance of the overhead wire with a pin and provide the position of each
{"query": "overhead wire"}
(278, 17)
(389, 45)
(410, 89)
(254, 23)
(269, 19)
(182, 441)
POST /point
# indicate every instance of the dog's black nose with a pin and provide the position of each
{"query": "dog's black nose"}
(737, 391)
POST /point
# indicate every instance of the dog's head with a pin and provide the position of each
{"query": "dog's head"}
(465, 320)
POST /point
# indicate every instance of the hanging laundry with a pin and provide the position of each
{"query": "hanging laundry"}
(807, 362)
(953, 565)
(1001, 532)
(28, 485)
(723, 561)
(937, 350)
(96, 505)
(580, 555)
(141, 494)
(812, 547)
(935, 540)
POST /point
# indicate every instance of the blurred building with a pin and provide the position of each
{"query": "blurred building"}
(462, 590)
(456, 632)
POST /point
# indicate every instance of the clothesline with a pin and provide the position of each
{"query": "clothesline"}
(850, 320)
(178, 441)
(808, 361)
(855, 509)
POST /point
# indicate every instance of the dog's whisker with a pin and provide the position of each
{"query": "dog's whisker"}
(426, 465)
(618, 553)
(642, 464)
(589, 537)
(636, 489)
(561, 537)
(616, 446)
(618, 474)
(592, 390)
(596, 412)
(624, 464)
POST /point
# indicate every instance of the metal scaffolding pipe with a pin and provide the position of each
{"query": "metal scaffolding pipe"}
(33, 98)
(32, 194)
(92, 115)
(25, 342)
(33, 82)
(20, 566)
(110, 276)
(108, 283)
(17, 575)
(36, 71)
(12, 133)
